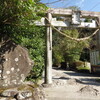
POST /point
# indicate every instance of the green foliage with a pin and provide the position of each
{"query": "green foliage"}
(36, 46)
(57, 55)
(17, 22)
(17, 16)
(83, 68)
(88, 20)
(57, 50)
(68, 50)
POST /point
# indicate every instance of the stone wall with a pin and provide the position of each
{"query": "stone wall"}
(23, 92)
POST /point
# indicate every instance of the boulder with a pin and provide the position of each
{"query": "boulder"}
(9, 92)
(89, 90)
(23, 92)
(5, 98)
(26, 94)
(15, 63)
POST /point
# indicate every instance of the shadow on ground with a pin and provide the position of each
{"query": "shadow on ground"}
(86, 78)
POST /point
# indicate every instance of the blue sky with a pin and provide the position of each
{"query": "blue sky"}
(88, 5)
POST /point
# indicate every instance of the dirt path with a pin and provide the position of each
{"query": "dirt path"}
(69, 85)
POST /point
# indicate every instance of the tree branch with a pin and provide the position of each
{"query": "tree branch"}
(10, 18)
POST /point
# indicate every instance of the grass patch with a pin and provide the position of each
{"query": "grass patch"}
(83, 68)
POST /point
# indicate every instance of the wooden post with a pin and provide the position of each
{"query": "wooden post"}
(98, 35)
(98, 40)
(48, 66)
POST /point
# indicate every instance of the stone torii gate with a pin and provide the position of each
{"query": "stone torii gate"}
(75, 22)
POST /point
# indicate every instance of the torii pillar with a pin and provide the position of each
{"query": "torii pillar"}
(48, 63)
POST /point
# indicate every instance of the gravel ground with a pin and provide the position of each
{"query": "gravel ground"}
(70, 85)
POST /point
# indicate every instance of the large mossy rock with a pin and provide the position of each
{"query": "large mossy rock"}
(15, 64)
